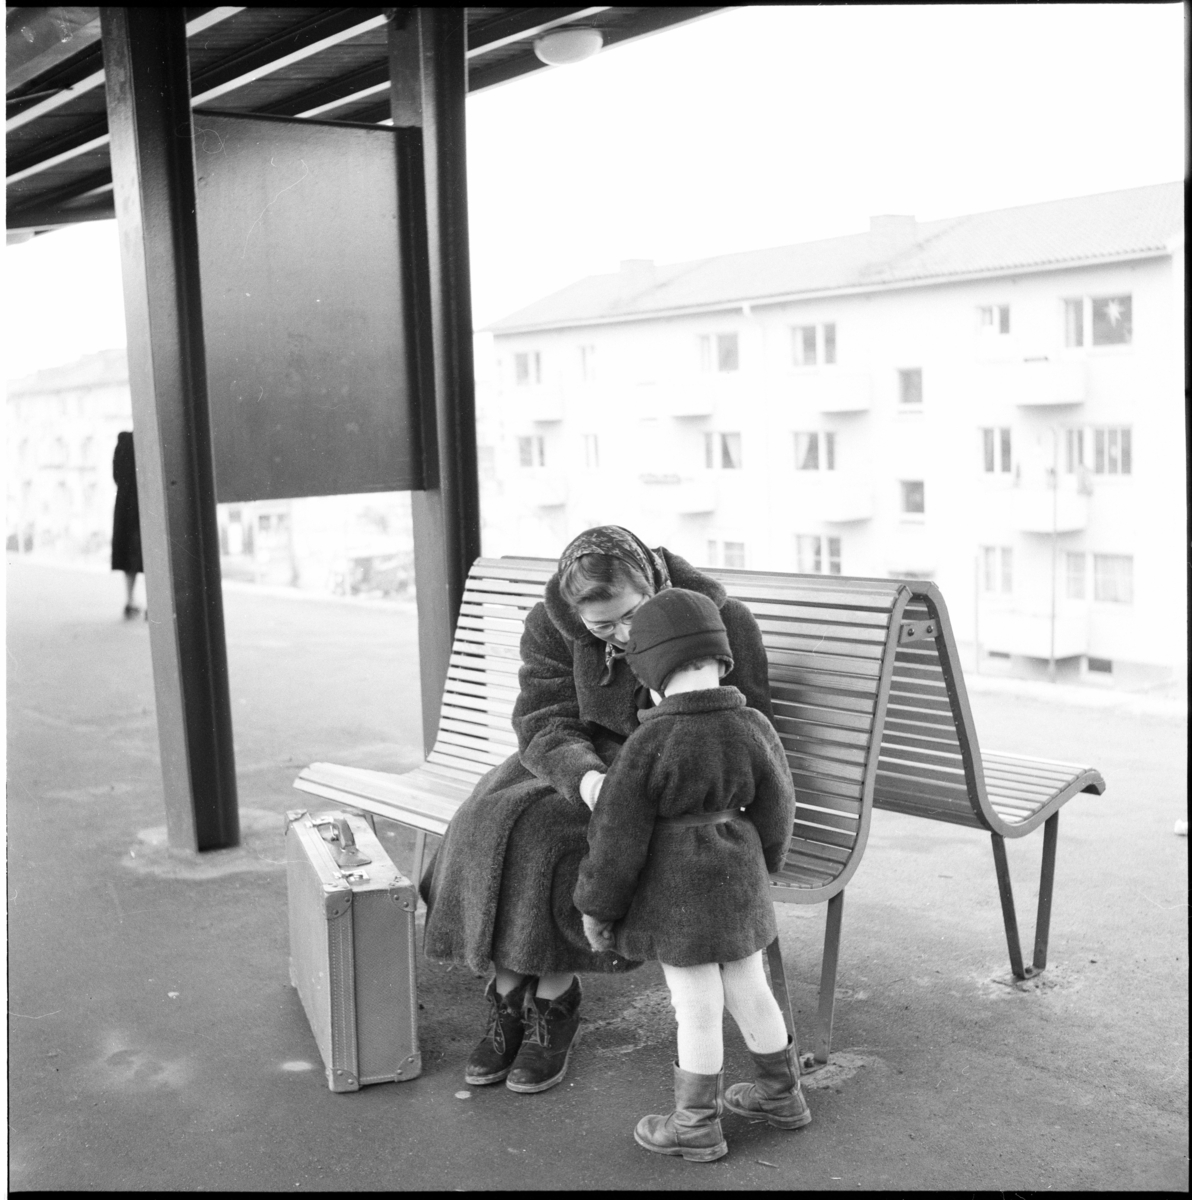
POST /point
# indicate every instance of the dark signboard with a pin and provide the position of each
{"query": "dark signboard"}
(308, 376)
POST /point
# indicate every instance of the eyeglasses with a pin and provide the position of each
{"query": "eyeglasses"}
(605, 629)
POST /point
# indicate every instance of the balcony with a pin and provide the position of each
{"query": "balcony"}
(1035, 383)
(1040, 508)
(690, 396)
(541, 488)
(537, 402)
(1028, 631)
(912, 550)
(833, 391)
(682, 496)
(836, 497)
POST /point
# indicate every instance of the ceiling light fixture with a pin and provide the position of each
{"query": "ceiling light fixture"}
(561, 47)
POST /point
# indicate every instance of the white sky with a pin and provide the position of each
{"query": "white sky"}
(754, 127)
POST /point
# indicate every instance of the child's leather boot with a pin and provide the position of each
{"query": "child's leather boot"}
(693, 1129)
(775, 1093)
(493, 1055)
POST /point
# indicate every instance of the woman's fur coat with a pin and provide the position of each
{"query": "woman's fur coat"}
(500, 887)
(687, 895)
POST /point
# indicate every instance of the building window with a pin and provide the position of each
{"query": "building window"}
(913, 499)
(808, 456)
(1113, 578)
(1111, 451)
(587, 363)
(815, 554)
(910, 385)
(1111, 319)
(1075, 572)
(722, 450)
(1073, 450)
(997, 569)
(719, 352)
(812, 344)
(1102, 666)
(527, 367)
(591, 451)
(486, 463)
(995, 448)
(993, 319)
(531, 452)
(733, 554)
(804, 345)
(1108, 450)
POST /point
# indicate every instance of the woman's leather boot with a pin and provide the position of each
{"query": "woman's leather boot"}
(551, 1030)
(693, 1129)
(495, 1052)
(775, 1094)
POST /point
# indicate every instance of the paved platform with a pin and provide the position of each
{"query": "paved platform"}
(155, 1042)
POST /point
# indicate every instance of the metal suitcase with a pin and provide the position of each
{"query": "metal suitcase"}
(352, 949)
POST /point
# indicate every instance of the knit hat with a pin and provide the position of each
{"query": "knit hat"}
(672, 629)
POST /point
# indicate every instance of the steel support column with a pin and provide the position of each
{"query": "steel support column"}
(148, 101)
(429, 84)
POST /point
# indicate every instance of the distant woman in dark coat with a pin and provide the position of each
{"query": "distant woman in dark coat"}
(126, 520)
(499, 890)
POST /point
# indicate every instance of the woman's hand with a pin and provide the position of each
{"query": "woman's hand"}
(589, 787)
(598, 933)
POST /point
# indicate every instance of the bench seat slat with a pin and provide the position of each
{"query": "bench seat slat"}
(820, 698)
(827, 667)
(459, 745)
(820, 834)
(824, 786)
(505, 739)
(943, 757)
(909, 806)
(803, 850)
(821, 749)
(834, 820)
(826, 768)
(854, 721)
(819, 732)
(913, 720)
(808, 793)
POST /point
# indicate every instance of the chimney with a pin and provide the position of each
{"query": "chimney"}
(891, 234)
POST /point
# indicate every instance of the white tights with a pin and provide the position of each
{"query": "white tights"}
(701, 994)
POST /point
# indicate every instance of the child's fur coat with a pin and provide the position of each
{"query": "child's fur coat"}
(687, 895)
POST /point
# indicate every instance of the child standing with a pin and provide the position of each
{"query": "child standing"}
(691, 817)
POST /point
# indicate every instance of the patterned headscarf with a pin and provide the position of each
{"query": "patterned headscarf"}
(619, 543)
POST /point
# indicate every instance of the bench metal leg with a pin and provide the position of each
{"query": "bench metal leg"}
(781, 991)
(827, 992)
(1051, 829)
(419, 855)
(1051, 834)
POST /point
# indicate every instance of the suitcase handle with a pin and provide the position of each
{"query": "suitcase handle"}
(347, 853)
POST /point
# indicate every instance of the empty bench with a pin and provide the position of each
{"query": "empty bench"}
(868, 703)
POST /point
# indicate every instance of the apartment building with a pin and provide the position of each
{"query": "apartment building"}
(993, 401)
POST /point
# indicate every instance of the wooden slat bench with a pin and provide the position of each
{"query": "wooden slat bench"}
(868, 702)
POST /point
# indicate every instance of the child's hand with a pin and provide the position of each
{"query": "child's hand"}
(598, 933)
(589, 788)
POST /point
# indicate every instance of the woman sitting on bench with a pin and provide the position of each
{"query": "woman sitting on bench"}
(499, 889)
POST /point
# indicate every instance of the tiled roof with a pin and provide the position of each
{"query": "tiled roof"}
(107, 368)
(1111, 225)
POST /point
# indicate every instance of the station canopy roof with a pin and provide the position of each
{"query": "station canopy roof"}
(329, 64)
